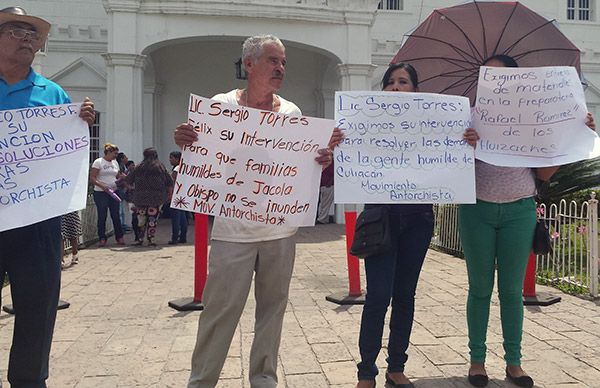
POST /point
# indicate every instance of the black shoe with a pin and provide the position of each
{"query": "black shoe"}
(392, 383)
(523, 381)
(182, 241)
(374, 383)
(172, 242)
(478, 380)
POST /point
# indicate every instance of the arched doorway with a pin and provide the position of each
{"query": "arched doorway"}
(205, 66)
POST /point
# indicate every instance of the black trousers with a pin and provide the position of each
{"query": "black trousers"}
(31, 257)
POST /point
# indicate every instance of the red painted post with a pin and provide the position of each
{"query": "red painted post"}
(530, 296)
(529, 282)
(200, 255)
(200, 267)
(353, 264)
(354, 294)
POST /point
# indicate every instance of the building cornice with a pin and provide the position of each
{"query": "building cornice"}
(349, 69)
(77, 46)
(124, 59)
(361, 12)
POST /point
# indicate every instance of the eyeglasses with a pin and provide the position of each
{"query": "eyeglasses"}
(20, 33)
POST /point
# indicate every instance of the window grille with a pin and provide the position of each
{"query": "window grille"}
(579, 10)
(95, 139)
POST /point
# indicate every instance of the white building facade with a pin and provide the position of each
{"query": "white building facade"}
(139, 59)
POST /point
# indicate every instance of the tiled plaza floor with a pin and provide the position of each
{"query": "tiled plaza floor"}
(119, 331)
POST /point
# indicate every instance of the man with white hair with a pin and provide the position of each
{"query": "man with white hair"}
(241, 250)
(30, 255)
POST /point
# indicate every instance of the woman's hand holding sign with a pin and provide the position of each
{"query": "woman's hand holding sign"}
(325, 157)
(471, 136)
(589, 121)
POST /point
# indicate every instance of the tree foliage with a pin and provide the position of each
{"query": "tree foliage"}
(569, 179)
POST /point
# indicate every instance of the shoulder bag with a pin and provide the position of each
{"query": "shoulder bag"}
(372, 234)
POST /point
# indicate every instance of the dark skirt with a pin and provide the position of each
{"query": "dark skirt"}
(70, 225)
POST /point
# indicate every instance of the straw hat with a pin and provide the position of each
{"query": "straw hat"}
(18, 14)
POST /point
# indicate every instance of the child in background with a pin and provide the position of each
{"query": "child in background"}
(179, 222)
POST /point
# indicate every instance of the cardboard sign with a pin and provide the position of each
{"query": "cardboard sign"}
(532, 117)
(44, 163)
(403, 148)
(251, 165)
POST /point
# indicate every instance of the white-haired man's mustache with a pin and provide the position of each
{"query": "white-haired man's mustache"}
(278, 75)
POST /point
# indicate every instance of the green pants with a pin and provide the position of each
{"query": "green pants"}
(496, 235)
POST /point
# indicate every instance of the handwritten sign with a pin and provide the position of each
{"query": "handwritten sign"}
(403, 148)
(44, 153)
(251, 165)
(532, 117)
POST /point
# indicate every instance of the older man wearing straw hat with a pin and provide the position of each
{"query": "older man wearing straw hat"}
(30, 255)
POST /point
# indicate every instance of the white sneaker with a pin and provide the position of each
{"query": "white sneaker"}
(63, 265)
(74, 260)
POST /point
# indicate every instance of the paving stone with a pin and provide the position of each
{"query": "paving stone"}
(331, 352)
(343, 372)
(306, 380)
(441, 354)
(297, 356)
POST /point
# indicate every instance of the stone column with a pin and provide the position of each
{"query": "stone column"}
(356, 76)
(124, 125)
(154, 134)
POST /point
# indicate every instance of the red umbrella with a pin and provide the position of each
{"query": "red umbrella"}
(450, 45)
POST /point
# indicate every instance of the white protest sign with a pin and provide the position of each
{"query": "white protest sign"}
(251, 165)
(403, 148)
(44, 162)
(532, 117)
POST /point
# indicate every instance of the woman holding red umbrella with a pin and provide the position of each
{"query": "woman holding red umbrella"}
(497, 232)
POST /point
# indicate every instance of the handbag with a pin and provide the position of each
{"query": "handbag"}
(542, 244)
(372, 235)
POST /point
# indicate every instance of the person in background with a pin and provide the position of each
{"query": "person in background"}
(241, 251)
(104, 174)
(124, 213)
(71, 230)
(152, 185)
(497, 235)
(30, 255)
(130, 166)
(394, 275)
(325, 195)
(179, 222)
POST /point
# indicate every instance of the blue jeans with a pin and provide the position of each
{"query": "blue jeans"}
(105, 203)
(179, 225)
(393, 275)
(31, 257)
